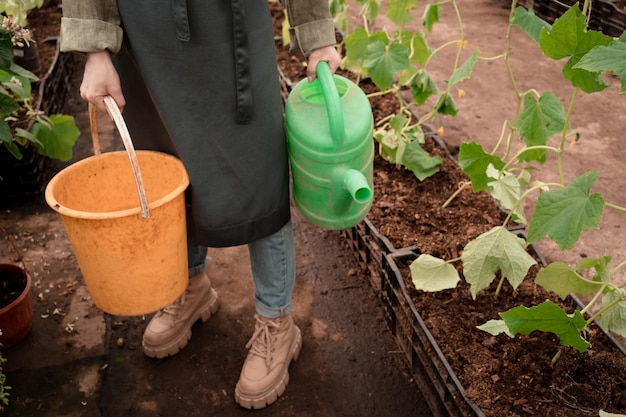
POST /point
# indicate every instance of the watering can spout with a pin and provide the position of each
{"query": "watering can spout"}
(355, 183)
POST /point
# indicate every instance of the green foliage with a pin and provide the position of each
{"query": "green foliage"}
(541, 119)
(562, 212)
(397, 59)
(548, 317)
(21, 124)
(19, 9)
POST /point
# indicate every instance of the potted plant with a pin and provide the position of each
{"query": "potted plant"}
(16, 307)
(21, 123)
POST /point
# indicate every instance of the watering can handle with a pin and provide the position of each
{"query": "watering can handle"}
(331, 98)
(115, 113)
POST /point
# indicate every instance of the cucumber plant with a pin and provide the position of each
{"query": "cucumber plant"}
(563, 210)
(397, 60)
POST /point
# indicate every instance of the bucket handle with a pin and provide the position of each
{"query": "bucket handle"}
(331, 98)
(115, 113)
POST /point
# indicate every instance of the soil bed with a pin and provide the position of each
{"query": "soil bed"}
(503, 376)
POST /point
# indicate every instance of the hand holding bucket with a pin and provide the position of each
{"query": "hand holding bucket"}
(126, 223)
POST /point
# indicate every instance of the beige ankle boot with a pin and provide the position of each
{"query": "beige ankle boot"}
(170, 329)
(265, 373)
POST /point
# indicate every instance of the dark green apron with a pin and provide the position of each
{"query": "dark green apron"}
(209, 67)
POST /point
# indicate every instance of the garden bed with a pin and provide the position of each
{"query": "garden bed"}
(478, 374)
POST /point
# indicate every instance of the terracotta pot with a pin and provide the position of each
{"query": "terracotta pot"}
(16, 318)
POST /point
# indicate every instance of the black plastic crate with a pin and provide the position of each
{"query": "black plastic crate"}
(369, 246)
(429, 367)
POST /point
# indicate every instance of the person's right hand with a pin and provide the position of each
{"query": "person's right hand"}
(101, 79)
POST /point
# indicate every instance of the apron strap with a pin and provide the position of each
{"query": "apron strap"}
(240, 51)
(179, 12)
(242, 63)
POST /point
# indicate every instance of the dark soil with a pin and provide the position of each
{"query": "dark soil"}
(503, 376)
(12, 284)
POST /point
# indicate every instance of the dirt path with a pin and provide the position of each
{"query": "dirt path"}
(70, 363)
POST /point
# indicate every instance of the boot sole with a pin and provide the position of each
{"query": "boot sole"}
(268, 397)
(182, 339)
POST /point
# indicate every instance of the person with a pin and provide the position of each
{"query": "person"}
(199, 80)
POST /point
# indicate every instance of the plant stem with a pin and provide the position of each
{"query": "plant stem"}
(570, 109)
(499, 287)
(462, 186)
(530, 148)
(616, 207)
(618, 267)
(594, 299)
(605, 308)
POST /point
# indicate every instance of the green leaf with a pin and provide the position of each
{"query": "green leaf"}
(567, 32)
(497, 249)
(529, 23)
(7, 105)
(18, 84)
(431, 16)
(569, 37)
(356, 45)
(419, 161)
(5, 131)
(540, 120)
(507, 190)
(446, 105)
(495, 327)
(414, 133)
(399, 11)
(611, 58)
(564, 213)
(614, 319)
(433, 274)
(464, 71)
(422, 86)
(559, 278)
(588, 82)
(384, 61)
(419, 47)
(548, 317)
(22, 72)
(5, 50)
(58, 140)
(474, 161)
(601, 265)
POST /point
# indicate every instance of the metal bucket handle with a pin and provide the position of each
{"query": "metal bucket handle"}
(115, 113)
(331, 98)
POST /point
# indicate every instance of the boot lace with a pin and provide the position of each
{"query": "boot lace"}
(173, 309)
(262, 341)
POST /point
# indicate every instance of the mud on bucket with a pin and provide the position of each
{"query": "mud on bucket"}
(133, 262)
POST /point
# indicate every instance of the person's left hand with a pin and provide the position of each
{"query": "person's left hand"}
(328, 54)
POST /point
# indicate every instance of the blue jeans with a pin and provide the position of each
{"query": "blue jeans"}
(273, 264)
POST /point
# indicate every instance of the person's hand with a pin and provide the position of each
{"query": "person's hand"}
(328, 54)
(101, 79)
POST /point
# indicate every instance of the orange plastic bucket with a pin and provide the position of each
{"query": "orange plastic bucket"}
(132, 263)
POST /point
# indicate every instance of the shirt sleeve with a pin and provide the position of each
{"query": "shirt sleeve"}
(311, 25)
(90, 26)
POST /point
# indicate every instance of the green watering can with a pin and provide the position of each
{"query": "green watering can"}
(330, 129)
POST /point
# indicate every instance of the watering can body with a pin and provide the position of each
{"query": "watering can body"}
(329, 126)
